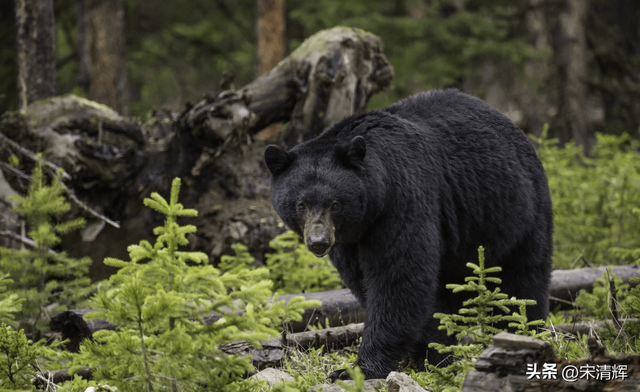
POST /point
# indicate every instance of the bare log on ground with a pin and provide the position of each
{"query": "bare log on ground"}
(272, 351)
(566, 284)
(331, 338)
(340, 308)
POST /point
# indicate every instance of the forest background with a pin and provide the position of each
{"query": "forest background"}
(571, 64)
(574, 64)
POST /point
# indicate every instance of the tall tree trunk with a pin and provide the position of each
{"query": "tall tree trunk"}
(270, 26)
(572, 67)
(35, 43)
(534, 92)
(101, 51)
(9, 68)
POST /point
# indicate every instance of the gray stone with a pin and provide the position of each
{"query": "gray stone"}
(327, 388)
(400, 382)
(373, 385)
(505, 339)
(272, 376)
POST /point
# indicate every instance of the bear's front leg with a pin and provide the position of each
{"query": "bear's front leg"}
(400, 302)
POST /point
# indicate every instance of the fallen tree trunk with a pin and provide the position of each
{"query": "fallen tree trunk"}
(339, 307)
(329, 77)
(566, 284)
(115, 162)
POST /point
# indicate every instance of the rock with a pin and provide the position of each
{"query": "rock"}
(272, 376)
(517, 363)
(375, 384)
(400, 382)
(327, 388)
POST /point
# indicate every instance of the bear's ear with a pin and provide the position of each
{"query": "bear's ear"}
(276, 158)
(354, 152)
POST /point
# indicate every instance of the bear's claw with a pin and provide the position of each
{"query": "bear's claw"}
(339, 375)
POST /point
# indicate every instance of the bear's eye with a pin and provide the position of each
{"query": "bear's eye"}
(301, 207)
(335, 206)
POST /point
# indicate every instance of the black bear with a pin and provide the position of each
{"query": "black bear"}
(402, 197)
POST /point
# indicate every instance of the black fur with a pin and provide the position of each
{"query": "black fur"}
(421, 184)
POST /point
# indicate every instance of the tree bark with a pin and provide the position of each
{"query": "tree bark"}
(533, 93)
(270, 34)
(329, 77)
(270, 27)
(35, 44)
(572, 70)
(101, 52)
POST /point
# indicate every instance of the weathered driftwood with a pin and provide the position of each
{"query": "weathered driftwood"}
(329, 77)
(504, 365)
(339, 307)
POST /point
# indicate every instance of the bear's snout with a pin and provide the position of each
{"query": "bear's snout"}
(319, 245)
(319, 235)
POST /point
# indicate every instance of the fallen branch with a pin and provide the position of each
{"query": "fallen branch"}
(24, 240)
(72, 196)
(566, 284)
(60, 376)
(33, 156)
(329, 338)
(70, 192)
(14, 171)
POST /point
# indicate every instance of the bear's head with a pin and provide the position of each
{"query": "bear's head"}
(318, 189)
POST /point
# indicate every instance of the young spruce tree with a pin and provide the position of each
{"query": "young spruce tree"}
(160, 301)
(49, 281)
(292, 268)
(476, 321)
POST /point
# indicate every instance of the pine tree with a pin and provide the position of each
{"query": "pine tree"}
(294, 269)
(160, 300)
(477, 320)
(9, 303)
(47, 280)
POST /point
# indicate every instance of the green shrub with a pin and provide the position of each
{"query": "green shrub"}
(48, 281)
(296, 270)
(477, 320)
(292, 268)
(613, 304)
(20, 359)
(596, 200)
(160, 300)
(9, 303)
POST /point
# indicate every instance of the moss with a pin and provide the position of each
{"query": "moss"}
(319, 41)
(43, 113)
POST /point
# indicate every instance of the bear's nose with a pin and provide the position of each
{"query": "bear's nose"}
(318, 246)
